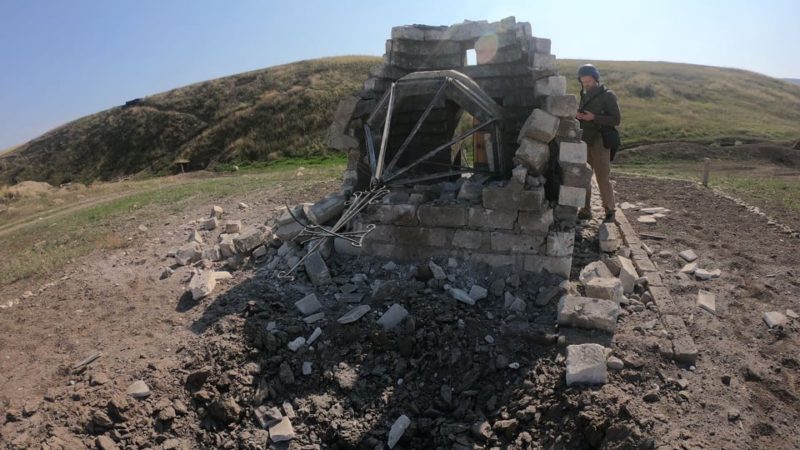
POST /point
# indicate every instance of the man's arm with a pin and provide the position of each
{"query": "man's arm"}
(613, 118)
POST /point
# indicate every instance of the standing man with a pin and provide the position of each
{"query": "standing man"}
(598, 109)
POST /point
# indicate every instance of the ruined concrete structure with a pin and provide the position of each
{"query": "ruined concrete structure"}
(511, 200)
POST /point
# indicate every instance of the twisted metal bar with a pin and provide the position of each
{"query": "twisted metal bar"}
(358, 201)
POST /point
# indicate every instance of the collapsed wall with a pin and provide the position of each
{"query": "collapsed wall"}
(509, 199)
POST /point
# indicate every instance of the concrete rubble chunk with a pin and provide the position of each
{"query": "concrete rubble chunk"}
(326, 209)
(707, 300)
(188, 254)
(533, 155)
(610, 237)
(398, 428)
(308, 304)
(295, 344)
(354, 314)
(545, 297)
(791, 314)
(589, 313)
(314, 318)
(314, 335)
(540, 125)
(138, 389)
(281, 431)
(210, 223)
(226, 245)
(689, 268)
(317, 269)
(217, 211)
(586, 364)
(233, 226)
(462, 296)
(221, 275)
(646, 219)
(478, 292)
(202, 284)
(571, 196)
(307, 368)
(605, 288)
(614, 363)
(195, 236)
(688, 255)
(438, 272)
(704, 275)
(627, 274)
(248, 240)
(393, 316)
(774, 319)
(595, 269)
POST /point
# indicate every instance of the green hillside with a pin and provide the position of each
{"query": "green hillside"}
(284, 111)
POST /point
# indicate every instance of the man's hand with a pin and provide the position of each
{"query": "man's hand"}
(585, 116)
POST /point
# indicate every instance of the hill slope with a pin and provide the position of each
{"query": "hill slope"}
(284, 111)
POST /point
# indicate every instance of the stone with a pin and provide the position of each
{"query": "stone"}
(105, 443)
(317, 269)
(212, 253)
(437, 271)
(589, 313)
(689, 268)
(314, 318)
(595, 269)
(243, 205)
(98, 379)
(774, 319)
(354, 314)
(285, 373)
(707, 301)
(281, 431)
(533, 155)
(210, 223)
(288, 231)
(314, 336)
(217, 211)
(553, 85)
(396, 431)
(308, 304)
(393, 316)
(614, 363)
(470, 191)
(627, 274)
(461, 296)
(326, 209)
(195, 236)
(545, 297)
(571, 196)
(688, 255)
(202, 284)
(478, 292)
(138, 389)
(540, 125)
(561, 105)
(704, 275)
(233, 226)
(608, 288)
(248, 240)
(260, 252)
(646, 219)
(307, 368)
(609, 237)
(586, 364)
(226, 246)
(791, 314)
(295, 344)
(572, 152)
(188, 254)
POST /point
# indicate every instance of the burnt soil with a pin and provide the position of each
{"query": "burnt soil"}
(216, 365)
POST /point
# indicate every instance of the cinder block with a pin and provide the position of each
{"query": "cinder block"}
(572, 196)
(451, 216)
(499, 198)
(393, 214)
(531, 200)
(575, 174)
(587, 312)
(540, 125)
(572, 152)
(496, 259)
(553, 85)
(469, 239)
(326, 209)
(560, 243)
(518, 243)
(544, 61)
(533, 155)
(562, 105)
(495, 219)
(535, 221)
(569, 129)
(541, 45)
(558, 265)
(586, 364)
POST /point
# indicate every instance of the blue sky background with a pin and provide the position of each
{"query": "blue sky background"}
(65, 59)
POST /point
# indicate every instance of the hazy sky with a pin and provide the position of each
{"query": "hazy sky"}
(65, 59)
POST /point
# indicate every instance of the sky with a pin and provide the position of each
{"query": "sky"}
(62, 60)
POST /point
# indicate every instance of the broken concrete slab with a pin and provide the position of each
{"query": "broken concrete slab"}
(308, 305)
(608, 288)
(707, 300)
(589, 313)
(354, 314)
(688, 255)
(774, 319)
(393, 316)
(586, 364)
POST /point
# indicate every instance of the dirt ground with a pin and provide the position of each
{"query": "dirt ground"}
(468, 376)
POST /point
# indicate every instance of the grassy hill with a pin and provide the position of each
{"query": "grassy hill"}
(284, 111)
